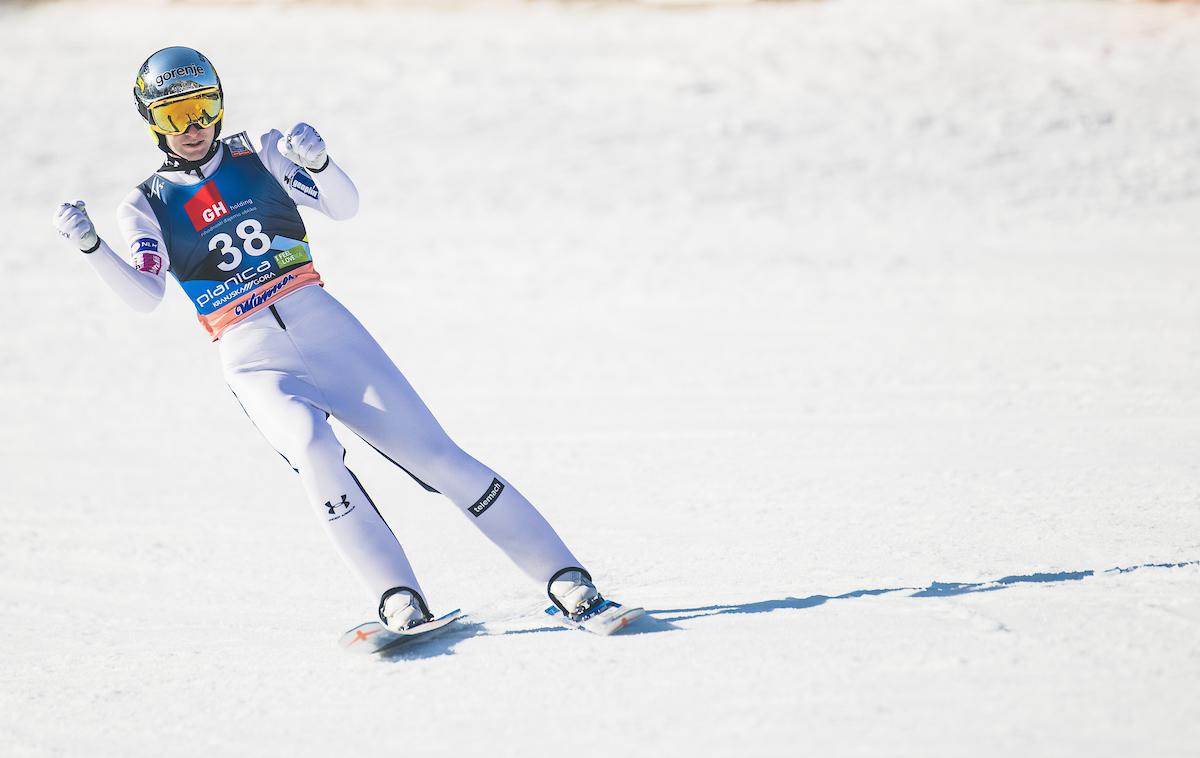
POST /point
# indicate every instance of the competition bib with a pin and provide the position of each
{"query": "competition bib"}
(236, 241)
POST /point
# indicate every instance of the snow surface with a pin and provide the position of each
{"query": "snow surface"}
(855, 340)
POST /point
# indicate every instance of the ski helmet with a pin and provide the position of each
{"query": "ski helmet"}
(175, 88)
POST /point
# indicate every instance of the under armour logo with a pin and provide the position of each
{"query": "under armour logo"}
(345, 503)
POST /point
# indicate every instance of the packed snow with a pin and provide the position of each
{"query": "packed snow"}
(857, 341)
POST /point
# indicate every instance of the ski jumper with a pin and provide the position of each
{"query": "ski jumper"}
(293, 355)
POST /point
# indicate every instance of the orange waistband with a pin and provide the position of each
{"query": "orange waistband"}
(258, 299)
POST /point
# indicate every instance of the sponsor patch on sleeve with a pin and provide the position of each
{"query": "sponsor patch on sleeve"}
(302, 182)
(148, 262)
(145, 255)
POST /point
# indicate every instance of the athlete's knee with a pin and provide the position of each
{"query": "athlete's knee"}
(463, 461)
(444, 461)
(315, 449)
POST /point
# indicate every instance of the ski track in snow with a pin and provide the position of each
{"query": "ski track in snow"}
(856, 340)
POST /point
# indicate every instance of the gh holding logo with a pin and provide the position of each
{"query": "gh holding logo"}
(206, 206)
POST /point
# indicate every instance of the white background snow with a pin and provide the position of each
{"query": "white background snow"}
(846, 337)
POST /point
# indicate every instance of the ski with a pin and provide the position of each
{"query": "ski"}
(605, 619)
(374, 637)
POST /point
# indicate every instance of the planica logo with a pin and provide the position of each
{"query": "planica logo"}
(232, 284)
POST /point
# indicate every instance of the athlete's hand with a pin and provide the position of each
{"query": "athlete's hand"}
(72, 222)
(304, 147)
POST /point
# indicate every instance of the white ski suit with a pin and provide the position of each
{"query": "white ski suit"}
(294, 356)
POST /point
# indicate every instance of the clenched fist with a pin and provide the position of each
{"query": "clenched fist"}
(304, 147)
(73, 224)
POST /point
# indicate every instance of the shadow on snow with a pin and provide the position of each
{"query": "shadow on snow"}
(935, 589)
(442, 644)
(661, 620)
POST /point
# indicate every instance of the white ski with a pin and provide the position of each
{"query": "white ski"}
(605, 619)
(374, 637)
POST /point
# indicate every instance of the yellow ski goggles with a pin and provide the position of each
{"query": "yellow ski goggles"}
(174, 115)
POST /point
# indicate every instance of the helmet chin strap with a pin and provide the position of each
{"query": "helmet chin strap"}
(175, 162)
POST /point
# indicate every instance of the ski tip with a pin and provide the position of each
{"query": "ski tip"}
(363, 637)
(633, 614)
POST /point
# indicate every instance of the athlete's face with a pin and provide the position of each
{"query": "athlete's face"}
(192, 144)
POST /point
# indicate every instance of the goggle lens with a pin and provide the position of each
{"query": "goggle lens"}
(175, 116)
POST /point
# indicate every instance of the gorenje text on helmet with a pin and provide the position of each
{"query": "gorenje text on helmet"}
(166, 76)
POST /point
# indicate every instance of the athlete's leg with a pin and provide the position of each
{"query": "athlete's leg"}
(268, 379)
(370, 396)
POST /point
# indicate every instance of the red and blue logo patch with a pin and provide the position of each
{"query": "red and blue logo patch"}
(206, 206)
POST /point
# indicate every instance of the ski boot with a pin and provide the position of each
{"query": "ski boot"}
(579, 605)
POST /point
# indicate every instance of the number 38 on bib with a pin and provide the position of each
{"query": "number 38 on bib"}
(253, 242)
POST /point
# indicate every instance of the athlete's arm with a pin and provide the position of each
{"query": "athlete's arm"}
(141, 289)
(140, 285)
(306, 172)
